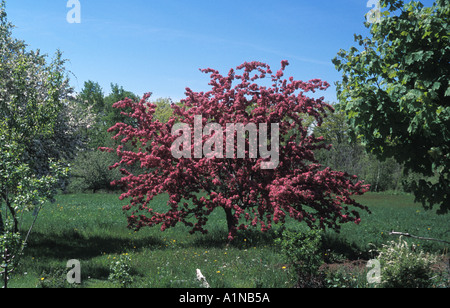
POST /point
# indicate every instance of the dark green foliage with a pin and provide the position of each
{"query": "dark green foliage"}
(91, 172)
(91, 167)
(303, 251)
(395, 90)
(92, 96)
(349, 155)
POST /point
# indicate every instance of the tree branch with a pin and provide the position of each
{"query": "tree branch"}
(418, 237)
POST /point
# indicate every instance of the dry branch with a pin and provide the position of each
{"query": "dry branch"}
(418, 237)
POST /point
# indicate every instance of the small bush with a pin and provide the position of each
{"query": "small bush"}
(91, 172)
(304, 252)
(403, 266)
(55, 278)
(120, 271)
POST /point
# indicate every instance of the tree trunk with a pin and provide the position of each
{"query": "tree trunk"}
(231, 221)
(378, 176)
(2, 226)
(13, 214)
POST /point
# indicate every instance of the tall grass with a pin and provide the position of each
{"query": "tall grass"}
(92, 229)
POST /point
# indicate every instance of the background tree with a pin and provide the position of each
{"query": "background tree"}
(348, 154)
(91, 167)
(395, 91)
(91, 96)
(345, 154)
(90, 170)
(112, 115)
(163, 110)
(298, 187)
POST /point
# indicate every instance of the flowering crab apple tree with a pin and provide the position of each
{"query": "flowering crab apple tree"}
(241, 183)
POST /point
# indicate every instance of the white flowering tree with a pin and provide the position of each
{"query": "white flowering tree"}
(40, 127)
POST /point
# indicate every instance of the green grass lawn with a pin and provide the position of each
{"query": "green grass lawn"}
(92, 229)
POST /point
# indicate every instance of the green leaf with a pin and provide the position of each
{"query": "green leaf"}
(447, 93)
(436, 86)
(393, 74)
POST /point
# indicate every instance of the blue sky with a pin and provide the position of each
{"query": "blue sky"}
(159, 46)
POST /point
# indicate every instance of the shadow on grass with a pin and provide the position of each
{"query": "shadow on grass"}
(339, 245)
(73, 245)
(243, 240)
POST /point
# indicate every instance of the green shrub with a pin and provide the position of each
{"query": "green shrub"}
(91, 172)
(403, 266)
(120, 270)
(304, 252)
(55, 278)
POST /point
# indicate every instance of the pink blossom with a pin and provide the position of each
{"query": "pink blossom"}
(298, 187)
